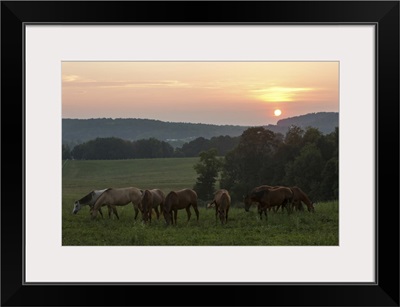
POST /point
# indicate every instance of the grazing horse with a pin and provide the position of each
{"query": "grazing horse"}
(118, 197)
(222, 202)
(151, 199)
(247, 200)
(88, 200)
(298, 197)
(267, 198)
(177, 200)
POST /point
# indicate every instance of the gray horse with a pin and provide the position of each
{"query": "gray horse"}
(88, 200)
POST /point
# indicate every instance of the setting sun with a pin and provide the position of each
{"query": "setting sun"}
(277, 112)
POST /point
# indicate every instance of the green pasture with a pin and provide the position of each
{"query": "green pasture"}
(243, 228)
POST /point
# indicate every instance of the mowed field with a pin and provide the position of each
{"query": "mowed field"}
(243, 228)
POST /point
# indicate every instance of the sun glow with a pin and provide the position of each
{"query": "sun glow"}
(277, 112)
(279, 94)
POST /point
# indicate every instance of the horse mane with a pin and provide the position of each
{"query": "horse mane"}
(171, 194)
(258, 193)
(87, 198)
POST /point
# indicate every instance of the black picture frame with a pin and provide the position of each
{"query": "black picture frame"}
(383, 14)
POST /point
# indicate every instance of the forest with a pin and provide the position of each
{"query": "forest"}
(303, 157)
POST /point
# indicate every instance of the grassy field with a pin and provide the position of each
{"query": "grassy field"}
(243, 228)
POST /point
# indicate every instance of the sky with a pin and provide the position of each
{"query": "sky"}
(222, 93)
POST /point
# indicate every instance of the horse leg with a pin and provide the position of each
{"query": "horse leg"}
(101, 213)
(196, 211)
(264, 208)
(189, 214)
(157, 213)
(93, 212)
(260, 212)
(175, 216)
(288, 205)
(114, 209)
(136, 211)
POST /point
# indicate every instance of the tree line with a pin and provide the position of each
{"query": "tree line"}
(112, 148)
(304, 158)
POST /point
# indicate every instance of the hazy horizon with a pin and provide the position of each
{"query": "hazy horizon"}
(185, 122)
(220, 93)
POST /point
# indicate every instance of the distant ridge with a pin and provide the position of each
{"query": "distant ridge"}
(324, 121)
(75, 131)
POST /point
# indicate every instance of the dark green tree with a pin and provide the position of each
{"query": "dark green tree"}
(306, 170)
(207, 169)
(195, 147)
(250, 163)
(66, 152)
(330, 180)
(152, 148)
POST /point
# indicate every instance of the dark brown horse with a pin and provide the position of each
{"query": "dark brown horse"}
(298, 197)
(151, 200)
(270, 197)
(177, 200)
(222, 202)
(247, 199)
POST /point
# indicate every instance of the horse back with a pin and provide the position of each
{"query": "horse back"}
(218, 194)
(224, 201)
(187, 195)
(158, 197)
(119, 196)
(281, 193)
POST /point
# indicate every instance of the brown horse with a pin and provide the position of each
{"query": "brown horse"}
(152, 199)
(222, 201)
(298, 197)
(248, 201)
(177, 200)
(118, 197)
(267, 198)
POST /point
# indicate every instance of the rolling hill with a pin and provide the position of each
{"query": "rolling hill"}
(76, 131)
